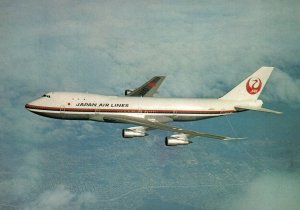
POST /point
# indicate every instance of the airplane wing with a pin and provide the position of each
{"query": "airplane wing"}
(147, 123)
(148, 89)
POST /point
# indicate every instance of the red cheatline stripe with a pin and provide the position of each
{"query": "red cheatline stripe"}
(124, 110)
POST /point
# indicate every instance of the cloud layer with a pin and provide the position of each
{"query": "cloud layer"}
(107, 46)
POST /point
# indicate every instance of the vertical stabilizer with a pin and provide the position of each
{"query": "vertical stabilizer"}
(251, 87)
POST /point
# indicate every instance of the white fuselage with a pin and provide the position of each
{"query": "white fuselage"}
(84, 106)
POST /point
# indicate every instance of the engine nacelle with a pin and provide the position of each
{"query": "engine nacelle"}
(128, 91)
(177, 139)
(127, 133)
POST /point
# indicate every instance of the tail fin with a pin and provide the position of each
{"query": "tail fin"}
(251, 87)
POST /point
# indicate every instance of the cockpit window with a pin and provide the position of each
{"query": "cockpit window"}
(46, 96)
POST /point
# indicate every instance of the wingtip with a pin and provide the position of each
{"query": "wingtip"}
(234, 138)
(267, 68)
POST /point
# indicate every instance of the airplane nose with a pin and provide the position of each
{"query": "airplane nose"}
(27, 106)
(30, 106)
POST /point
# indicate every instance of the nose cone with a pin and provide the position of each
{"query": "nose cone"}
(30, 107)
(27, 106)
(39, 105)
(33, 105)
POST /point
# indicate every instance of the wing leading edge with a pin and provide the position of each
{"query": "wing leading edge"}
(149, 88)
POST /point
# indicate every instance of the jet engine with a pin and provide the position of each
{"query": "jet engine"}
(128, 133)
(177, 139)
(128, 91)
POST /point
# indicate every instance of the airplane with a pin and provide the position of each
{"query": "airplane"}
(139, 108)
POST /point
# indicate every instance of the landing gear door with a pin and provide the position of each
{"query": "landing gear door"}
(98, 114)
(62, 111)
(174, 114)
(97, 111)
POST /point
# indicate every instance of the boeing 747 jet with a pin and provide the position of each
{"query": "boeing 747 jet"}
(139, 108)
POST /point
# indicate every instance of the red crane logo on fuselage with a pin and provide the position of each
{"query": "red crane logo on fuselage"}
(253, 85)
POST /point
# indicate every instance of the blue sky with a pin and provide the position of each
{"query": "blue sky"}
(204, 48)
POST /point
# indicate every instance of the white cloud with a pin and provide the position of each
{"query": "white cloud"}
(61, 198)
(106, 46)
(283, 87)
(270, 192)
(58, 198)
(27, 175)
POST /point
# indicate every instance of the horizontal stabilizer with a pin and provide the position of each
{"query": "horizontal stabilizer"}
(241, 108)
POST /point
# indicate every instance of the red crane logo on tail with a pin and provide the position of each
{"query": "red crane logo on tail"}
(253, 85)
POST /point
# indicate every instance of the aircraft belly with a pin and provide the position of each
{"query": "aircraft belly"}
(65, 116)
(70, 116)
